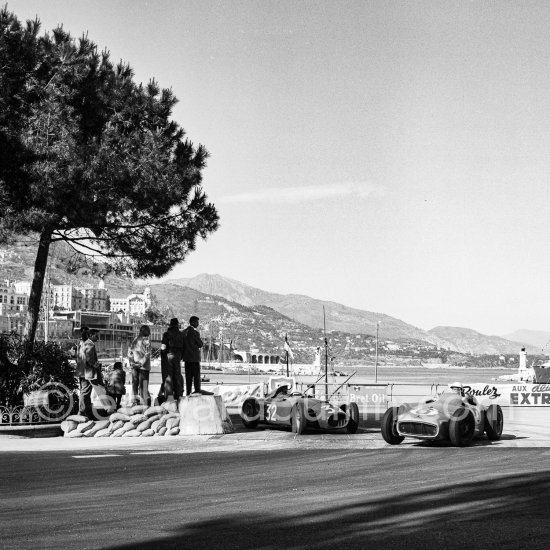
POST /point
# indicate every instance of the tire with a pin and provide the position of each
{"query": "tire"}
(353, 422)
(298, 418)
(250, 413)
(389, 428)
(494, 422)
(462, 427)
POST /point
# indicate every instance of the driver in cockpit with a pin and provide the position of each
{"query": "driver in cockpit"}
(458, 388)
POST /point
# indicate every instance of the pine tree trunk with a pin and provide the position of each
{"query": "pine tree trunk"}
(35, 297)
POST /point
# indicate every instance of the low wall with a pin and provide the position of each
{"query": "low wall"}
(378, 397)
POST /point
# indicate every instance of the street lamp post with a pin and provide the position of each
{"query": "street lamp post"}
(376, 354)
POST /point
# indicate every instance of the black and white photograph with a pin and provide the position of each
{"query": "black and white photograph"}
(274, 274)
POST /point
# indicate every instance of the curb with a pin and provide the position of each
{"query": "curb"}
(31, 431)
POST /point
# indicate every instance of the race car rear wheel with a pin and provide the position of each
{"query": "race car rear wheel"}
(250, 413)
(298, 418)
(389, 427)
(353, 418)
(494, 422)
(462, 427)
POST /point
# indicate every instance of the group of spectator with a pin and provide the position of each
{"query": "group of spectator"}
(177, 346)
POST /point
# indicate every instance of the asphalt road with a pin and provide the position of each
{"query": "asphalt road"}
(393, 497)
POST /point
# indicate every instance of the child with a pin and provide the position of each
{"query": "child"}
(115, 383)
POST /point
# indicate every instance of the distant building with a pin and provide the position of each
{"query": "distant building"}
(66, 298)
(134, 304)
(11, 301)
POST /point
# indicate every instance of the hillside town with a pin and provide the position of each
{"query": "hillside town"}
(118, 317)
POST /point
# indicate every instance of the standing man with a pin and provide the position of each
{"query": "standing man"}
(139, 354)
(192, 355)
(171, 350)
(87, 369)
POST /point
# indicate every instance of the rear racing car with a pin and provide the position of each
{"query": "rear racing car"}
(453, 416)
(299, 411)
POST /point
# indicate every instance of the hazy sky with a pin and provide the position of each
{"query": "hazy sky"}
(391, 156)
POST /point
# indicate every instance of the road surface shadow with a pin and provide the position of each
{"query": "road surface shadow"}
(503, 512)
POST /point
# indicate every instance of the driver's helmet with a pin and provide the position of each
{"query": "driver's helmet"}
(457, 387)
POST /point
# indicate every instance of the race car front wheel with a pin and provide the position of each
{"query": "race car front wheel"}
(494, 422)
(250, 413)
(353, 418)
(462, 427)
(389, 427)
(298, 418)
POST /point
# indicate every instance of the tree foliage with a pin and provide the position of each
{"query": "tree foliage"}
(89, 157)
(47, 363)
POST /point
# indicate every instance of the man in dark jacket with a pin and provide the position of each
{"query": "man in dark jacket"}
(171, 350)
(192, 355)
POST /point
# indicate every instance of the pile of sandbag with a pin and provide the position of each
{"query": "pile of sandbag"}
(136, 421)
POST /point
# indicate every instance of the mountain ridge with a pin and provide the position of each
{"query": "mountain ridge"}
(309, 311)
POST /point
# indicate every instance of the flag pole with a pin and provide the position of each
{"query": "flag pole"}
(326, 354)
(286, 350)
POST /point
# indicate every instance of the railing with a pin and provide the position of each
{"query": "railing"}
(10, 416)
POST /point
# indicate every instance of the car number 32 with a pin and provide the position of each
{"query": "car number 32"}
(271, 413)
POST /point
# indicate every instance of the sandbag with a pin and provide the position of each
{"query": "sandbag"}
(172, 423)
(125, 410)
(119, 416)
(162, 430)
(145, 425)
(106, 432)
(118, 433)
(74, 433)
(98, 426)
(170, 406)
(128, 427)
(85, 426)
(139, 409)
(173, 431)
(116, 425)
(151, 411)
(68, 425)
(147, 433)
(77, 418)
(132, 433)
(137, 419)
(155, 425)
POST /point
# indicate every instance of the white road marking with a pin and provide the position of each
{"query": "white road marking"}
(93, 456)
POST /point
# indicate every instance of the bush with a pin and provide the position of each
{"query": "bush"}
(19, 375)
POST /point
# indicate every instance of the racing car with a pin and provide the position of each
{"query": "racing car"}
(453, 416)
(297, 410)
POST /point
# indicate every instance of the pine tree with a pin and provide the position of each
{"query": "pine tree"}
(89, 157)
